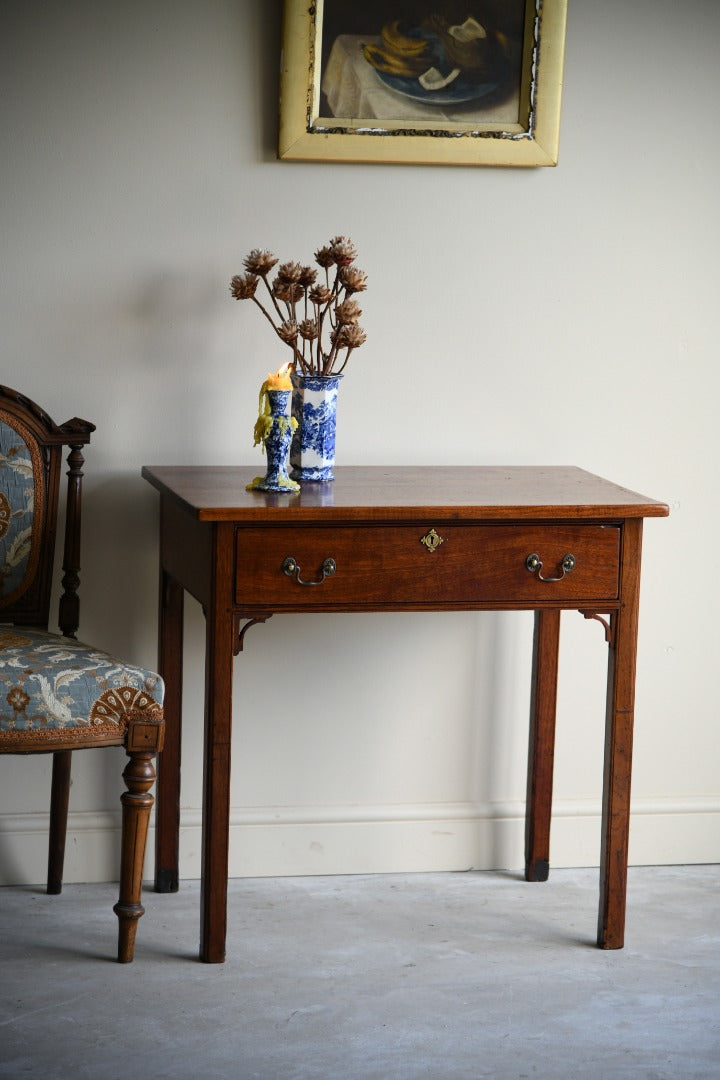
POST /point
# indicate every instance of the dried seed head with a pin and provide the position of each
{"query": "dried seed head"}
(352, 279)
(288, 291)
(288, 332)
(348, 312)
(349, 336)
(260, 262)
(289, 272)
(308, 329)
(343, 251)
(320, 295)
(308, 274)
(243, 287)
(324, 256)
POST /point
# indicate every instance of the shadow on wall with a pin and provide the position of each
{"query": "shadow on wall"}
(118, 567)
(267, 76)
(502, 672)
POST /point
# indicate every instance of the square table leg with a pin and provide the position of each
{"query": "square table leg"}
(541, 746)
(167, 809)
(219, 656)
(618, 745)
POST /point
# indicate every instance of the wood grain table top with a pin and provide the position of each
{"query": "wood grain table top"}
(376, 493)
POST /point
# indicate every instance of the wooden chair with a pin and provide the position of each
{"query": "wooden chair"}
(56, 694)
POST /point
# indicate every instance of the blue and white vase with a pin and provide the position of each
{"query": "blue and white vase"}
(314, 406)
(276, 430)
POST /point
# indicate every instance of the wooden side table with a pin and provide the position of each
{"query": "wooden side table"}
(400, 539)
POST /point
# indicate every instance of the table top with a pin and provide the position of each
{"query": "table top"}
(376, 493)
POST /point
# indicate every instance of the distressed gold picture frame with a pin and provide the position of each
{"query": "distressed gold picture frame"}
(337, 105)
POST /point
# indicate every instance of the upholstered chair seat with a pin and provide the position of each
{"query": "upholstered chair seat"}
(55, 687)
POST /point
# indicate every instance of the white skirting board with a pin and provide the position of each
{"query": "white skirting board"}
(282, 841)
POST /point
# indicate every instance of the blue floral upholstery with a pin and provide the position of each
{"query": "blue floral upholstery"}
(20, 520)
(50, 683)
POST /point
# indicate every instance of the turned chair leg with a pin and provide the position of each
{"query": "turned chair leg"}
(139, 776)
(59, 799)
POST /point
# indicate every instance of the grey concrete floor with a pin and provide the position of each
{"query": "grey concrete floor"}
(397, 977)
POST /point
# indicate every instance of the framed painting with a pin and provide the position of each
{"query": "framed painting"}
(455, 82)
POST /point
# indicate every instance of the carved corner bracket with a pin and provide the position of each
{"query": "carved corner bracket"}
(241, 631)
(606, 623)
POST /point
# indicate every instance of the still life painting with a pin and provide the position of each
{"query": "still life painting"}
(446, 81)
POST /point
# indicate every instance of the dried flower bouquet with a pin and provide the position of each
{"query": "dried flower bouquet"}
(319, 321)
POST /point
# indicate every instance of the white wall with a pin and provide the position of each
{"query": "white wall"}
(553, 316)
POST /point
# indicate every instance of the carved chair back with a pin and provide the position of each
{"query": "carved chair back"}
(31, 448)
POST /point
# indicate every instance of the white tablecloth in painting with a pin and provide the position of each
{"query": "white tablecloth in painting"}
(355, 91)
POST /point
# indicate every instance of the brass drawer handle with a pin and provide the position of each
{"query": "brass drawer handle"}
(534, 565)
(291, 568)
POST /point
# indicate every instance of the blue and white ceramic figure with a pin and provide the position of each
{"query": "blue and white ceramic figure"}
(314, 406)
(274, 429)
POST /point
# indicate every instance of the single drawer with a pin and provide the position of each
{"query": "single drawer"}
(374, 565)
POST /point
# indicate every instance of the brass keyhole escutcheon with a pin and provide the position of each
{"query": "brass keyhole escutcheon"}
(431, 540)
